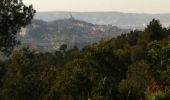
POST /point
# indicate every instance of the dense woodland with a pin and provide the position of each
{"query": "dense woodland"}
(132, 66)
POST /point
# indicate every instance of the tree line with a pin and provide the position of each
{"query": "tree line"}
(132, 66)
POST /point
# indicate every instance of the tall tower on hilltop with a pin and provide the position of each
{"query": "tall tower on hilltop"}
(71, 17)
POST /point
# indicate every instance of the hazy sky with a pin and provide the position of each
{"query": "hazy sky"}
(139, 6)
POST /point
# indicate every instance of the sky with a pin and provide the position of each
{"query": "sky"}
(128, 6)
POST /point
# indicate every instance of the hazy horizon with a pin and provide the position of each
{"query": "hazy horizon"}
(104, 12)
(126, 6)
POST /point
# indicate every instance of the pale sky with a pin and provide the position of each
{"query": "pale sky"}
(129, 6)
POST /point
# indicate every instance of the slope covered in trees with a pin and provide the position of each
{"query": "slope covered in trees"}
(48, 36)
(132, 66)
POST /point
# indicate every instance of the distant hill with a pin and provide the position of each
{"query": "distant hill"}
(50, 35)
(123, 20)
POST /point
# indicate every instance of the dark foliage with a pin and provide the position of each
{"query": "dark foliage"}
(133, 66)
(13, 15)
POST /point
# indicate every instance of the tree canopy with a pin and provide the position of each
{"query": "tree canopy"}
(132, 66)
(13, 15)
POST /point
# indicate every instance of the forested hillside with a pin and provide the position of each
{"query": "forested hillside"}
(132, 66)
(48, 36)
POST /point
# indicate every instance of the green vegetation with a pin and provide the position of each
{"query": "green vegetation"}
(133, 66)
(13, 15)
